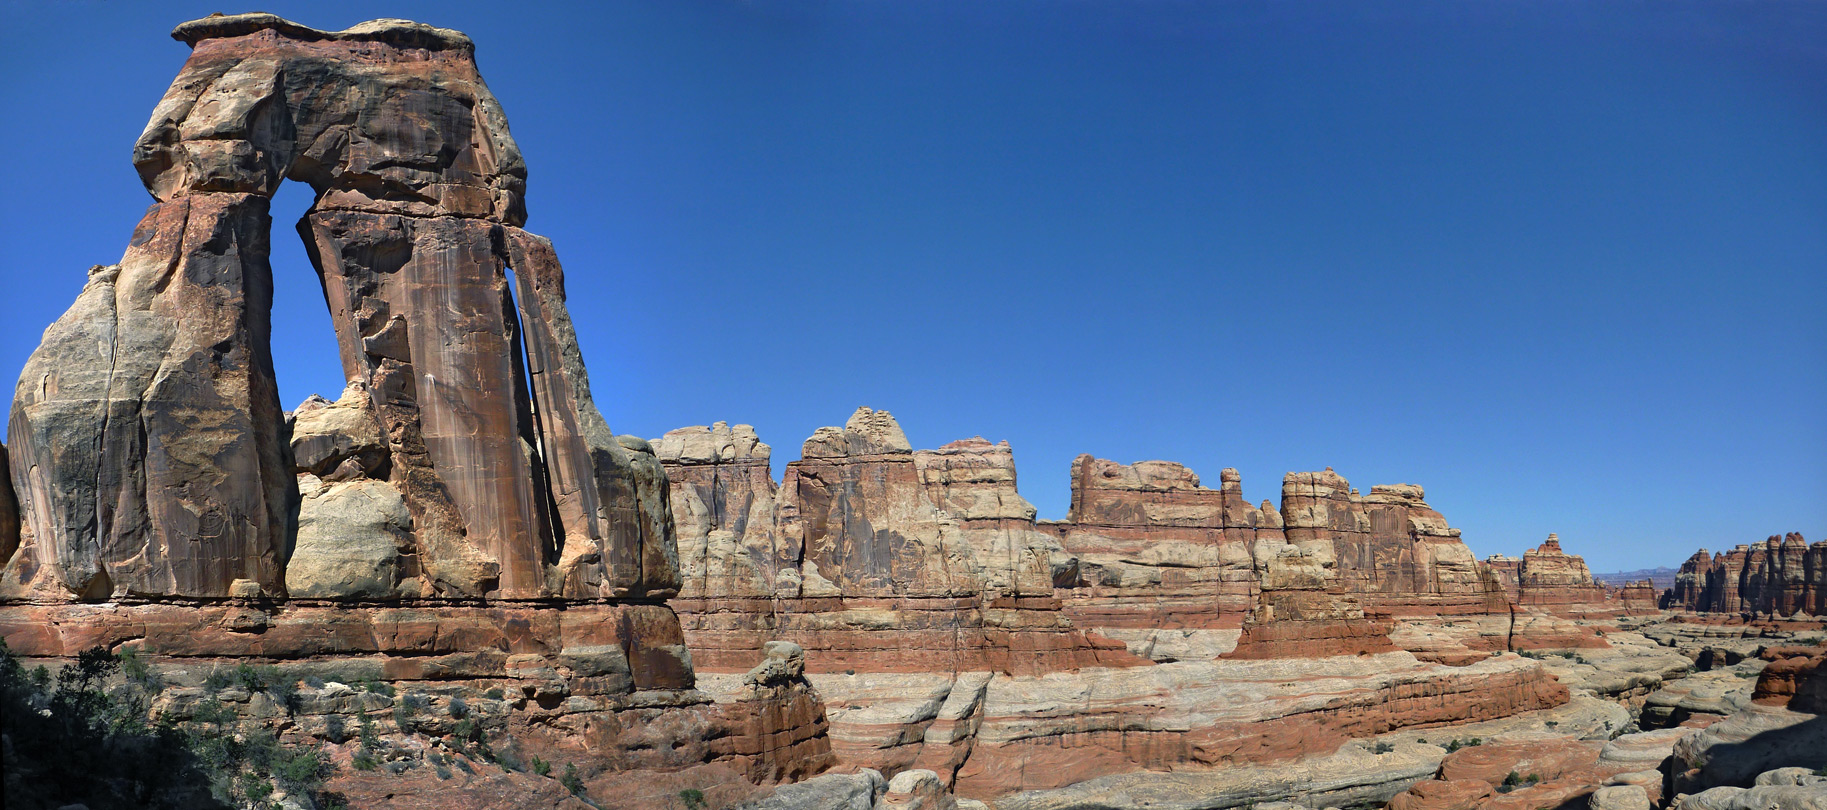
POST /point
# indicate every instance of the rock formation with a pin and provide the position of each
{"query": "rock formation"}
(948, 631)
(869, 555)
(459, 524)
(1783, 576)
(459, 543)
(148, 439)
(1390, 546)
(1157, 550)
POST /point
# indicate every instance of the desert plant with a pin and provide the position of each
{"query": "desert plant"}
(1510, 782)
(541, 767)
(571, 780)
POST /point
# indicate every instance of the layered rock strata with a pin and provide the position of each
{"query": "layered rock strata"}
(1147, 555)
(1157, 550)
(867, 546)
(1783, 576)
(459, 524)
(1784, 726)
(871, 556)
(1389, 547)
(149, 443)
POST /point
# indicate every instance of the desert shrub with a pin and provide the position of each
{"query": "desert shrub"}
(541, 767)
(693, 798)
(213, 712)
(139, 672)
(218, 679)
(571, 780)
(510, 759)
(97, 748)
(458, 708)
(378, 687)
(408, 707)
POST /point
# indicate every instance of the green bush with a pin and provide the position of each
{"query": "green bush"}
(571, 780)
(542, 767)
(97, 748)
(378, 687)
(693, 798)
(139, 673)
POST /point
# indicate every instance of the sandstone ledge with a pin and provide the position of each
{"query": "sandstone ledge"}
(404, 33)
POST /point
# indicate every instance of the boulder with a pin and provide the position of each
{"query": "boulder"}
(351, 537)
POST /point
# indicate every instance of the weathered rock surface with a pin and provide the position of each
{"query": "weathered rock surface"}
(148, 441)
(1156, 549)
(1760, 797)
(1781, 576)
(459, 528)
(869, 555)
(351, 539)
(1538, 771)
(1389, 546)
(990, 734)
(1784, 726)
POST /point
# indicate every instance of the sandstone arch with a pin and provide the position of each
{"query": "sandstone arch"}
(148, 442)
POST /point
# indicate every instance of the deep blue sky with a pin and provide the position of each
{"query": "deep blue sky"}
(1565, 264)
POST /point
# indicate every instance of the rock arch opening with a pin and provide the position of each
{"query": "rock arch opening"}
(162, 467)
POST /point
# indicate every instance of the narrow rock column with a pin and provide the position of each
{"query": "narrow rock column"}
(610, 491)
(146, 427)
(424, 317)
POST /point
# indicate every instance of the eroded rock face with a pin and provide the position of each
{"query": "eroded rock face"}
(353, 542)
(148, 442)
(869, 555)
(1550, 576)
(1389, 546)
(1782, 576)
(1156, 549)
(459, 523)
(9, 511)
(146, 429)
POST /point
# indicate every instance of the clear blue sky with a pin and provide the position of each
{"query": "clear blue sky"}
(1563, 263)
